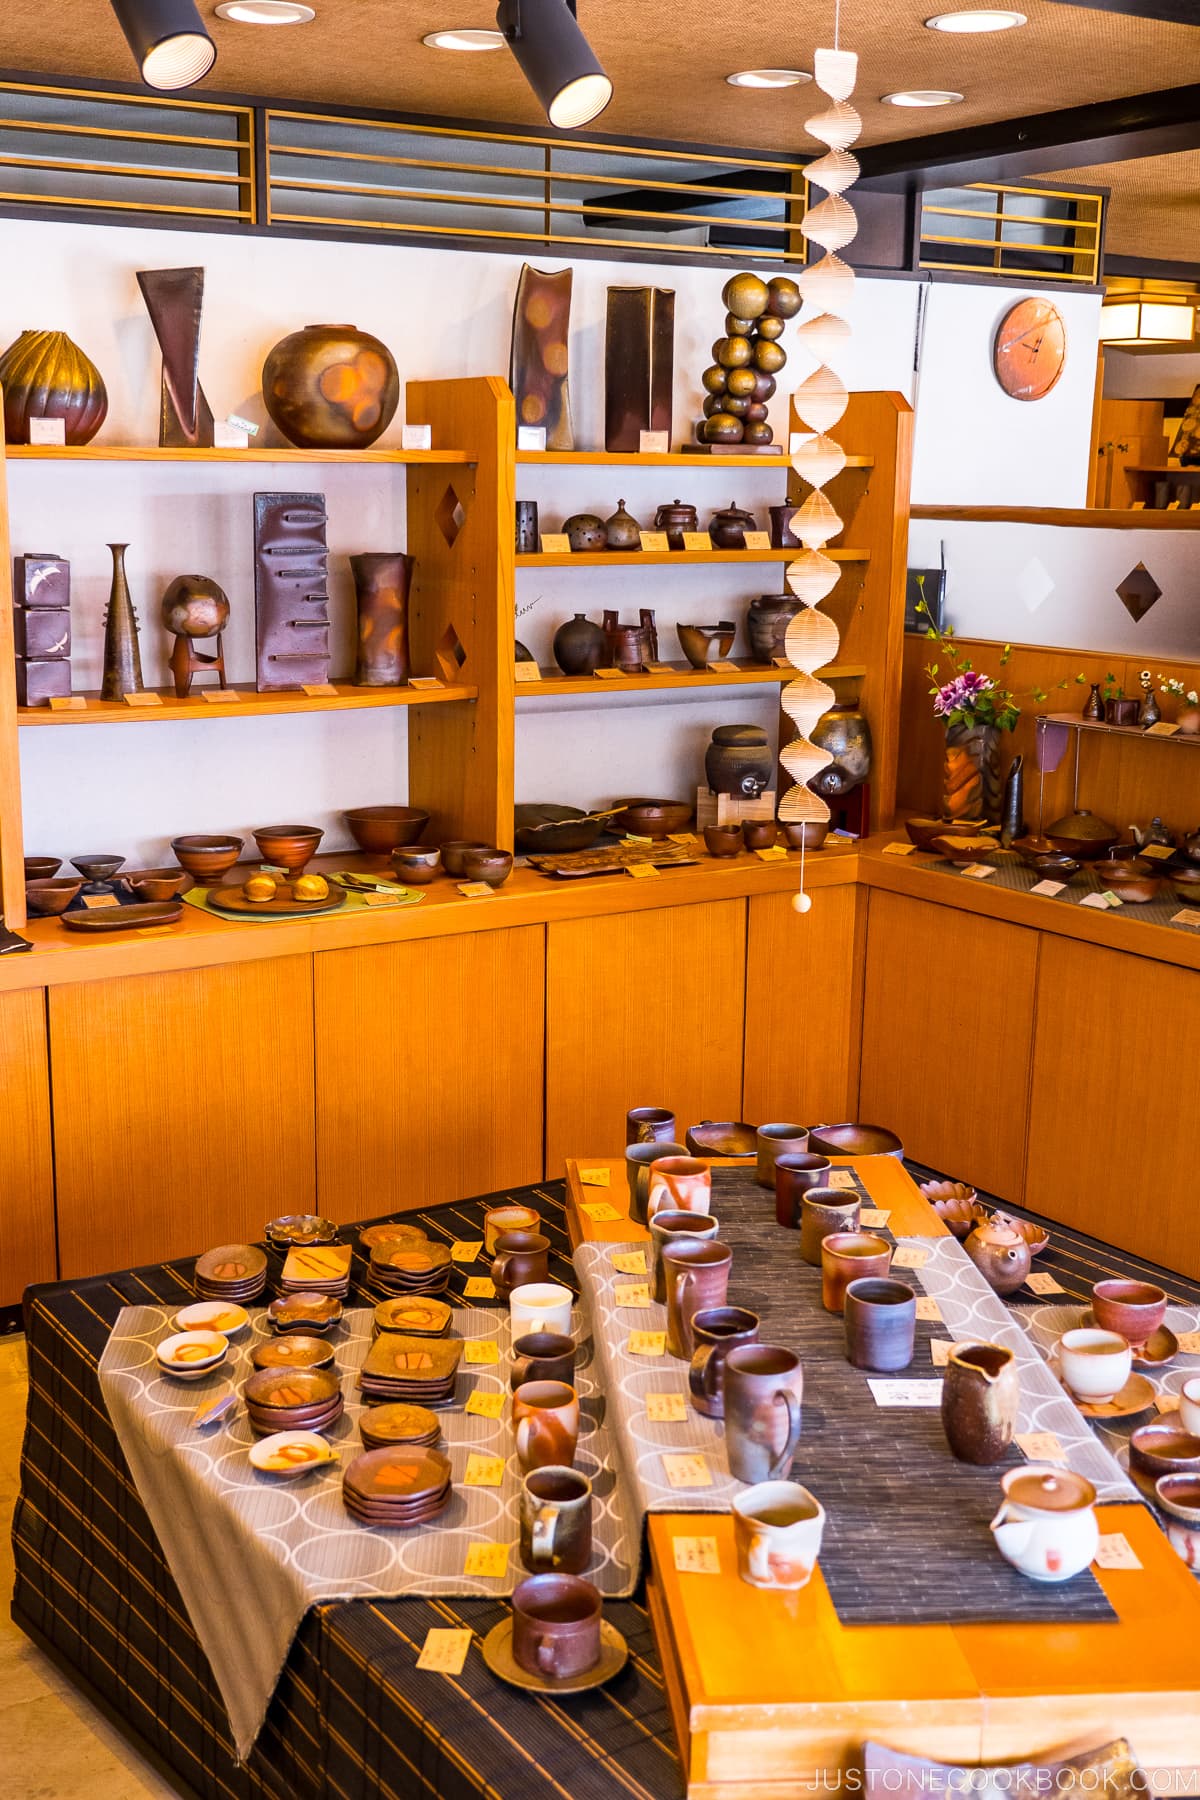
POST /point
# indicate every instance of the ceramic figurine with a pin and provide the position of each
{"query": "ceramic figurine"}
(194, 607)
(980, 1395)
(1046, 1527)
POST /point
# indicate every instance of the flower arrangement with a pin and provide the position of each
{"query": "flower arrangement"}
(1174, 690)
(969, 697)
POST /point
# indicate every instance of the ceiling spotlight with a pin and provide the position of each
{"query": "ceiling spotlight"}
(922, 97)
(768, 78)
(265, 12)
(556, 59)
(464, 40)
(168, 39)
(978, 19)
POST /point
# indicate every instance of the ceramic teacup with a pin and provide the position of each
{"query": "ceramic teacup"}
(881, 1323)
(777, 1527)
(650, 1125)
(667, 1225)
(556, 1626)
(1179, 1498)
(679, 1184)
(773, 1141)
(638, 1161)
(823, 1211)
(716, 1330)
(696, 1276)
(556, 1520)
(1133, 1309)
(1095, 1364)
(507, 1218)
(542, 1356)
(797, 1172)
(1189, 1405)
(545, 1417)
(522, 1257)
(847, 1255)
(764, 1390)
(540, 1306)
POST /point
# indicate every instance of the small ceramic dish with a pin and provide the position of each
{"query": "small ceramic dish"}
(301, 1228)
(805, 834)
(288, 1454)
(1163, 1448)
(728, 1137)
(854, 1140)
(723, 840)
(490, 865)
(209, 1316)
(1054, 866)
(1029, 847)
(417, 867)
(49, 898)
(958, 847)
(188, 1355)
(41, 868)
(955, 1205)
(923, 832)
(454, 852)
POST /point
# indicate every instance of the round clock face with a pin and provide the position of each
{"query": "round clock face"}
(1030, 349)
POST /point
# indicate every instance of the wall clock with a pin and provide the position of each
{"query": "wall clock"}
(1030, 349)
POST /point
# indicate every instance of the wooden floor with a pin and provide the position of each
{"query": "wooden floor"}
(53, 1744)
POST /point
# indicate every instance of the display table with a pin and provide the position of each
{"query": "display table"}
(352, 1715)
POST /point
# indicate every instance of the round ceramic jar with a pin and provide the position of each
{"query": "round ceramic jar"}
(739, 760)
(767, 620)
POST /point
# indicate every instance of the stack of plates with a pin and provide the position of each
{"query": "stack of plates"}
(419, 1318)
(398, 1423)
(234, 1272)
(190, 1355)
(317, 1269)
(391, 1233)
(411, 1368)
(309, 1313)
(301, 1228)
(397, 1486)
(410, 1268)
(292, 1400)
(292, 1351)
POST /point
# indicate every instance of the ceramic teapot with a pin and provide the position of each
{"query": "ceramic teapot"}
(1000, 1254)
(1046, 1527)
(1190, 845)
(1153, 833)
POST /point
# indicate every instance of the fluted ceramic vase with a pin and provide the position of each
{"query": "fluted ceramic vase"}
(122, 655)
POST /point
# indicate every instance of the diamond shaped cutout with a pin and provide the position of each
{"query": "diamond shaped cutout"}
(1138, 592)
(450, 516)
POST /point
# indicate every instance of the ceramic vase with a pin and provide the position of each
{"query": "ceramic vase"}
(331, 387)
(43, 375)
(381, 584)
(579, 646)
(122, 655)
(845, 737)
(980, 1395)
(1151, 712)
(971, 773)
(1093, 706)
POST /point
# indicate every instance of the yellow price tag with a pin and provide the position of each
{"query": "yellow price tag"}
(640, 871)
(927, 1307)
(444, 1651)
(466, 1249)
(873, 1218)
(631, 1293)
(687, 1471)
(479, 1287)
(840, 1178)
(646, 1343)
(484, 1471)
(1041, 1446)
(596, 1177)
(488, 1560)
(481, 1351)
(599, 1211)
(940, 1349)
(909, 1258)
(1044, 1284)
(629, 1262)
(666, 1409)
(696, 1555)
(485, 1403)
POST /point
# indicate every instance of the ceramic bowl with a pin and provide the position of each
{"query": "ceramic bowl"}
(1052, 865)
(854, 1140)
(1189, 1405)
(1163, 1448)
(209, 1318)
(542, 827)
(1030, 847)
(97, 868)
(41, 868)
(726, 1137)
(1088, 849)
(759, 834)
(922, 832)
(964, 847)
(490, 865)
(1135, 1309)
(805, 834)
(288, 1454)
(1035, 1235)
(187, 1355)
(49, 898)
(653, 818)
(207, 859)
(417, 867)
(1127, 883)
(954, 1203)
(289, 847)
(154, 884)
(455, 851)
(378, 830)
(722, 840)
(702, 643)
(1180, 1495)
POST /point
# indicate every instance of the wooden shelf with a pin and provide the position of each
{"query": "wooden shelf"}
(1073, 722)
(1189, 474)
(627, 559)
(682, 678)
(154, 453)
(251, 705)
(673, 459)
(1125, 518)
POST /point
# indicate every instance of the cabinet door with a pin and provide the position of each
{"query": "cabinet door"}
(947, 1038)
(1114, 1134)
(804, 1007)
(429, 1070)
(643, 1009)
(183, 1110)
(26, 1166)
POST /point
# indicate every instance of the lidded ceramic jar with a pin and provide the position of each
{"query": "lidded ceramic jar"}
(675, 520)
(728, 528)
(739, 760)
(621, 530)
(767, 620)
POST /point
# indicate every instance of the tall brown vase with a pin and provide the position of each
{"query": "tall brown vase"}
(971, 786)
(122, 655)
(381, 582)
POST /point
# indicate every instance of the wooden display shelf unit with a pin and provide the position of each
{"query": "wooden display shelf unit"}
(672, 459)
(252, 454)
(215, 703)
(626, 559)
(679, 678)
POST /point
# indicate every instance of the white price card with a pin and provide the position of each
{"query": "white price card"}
(1189, 1343)
(696, 1555)
(1115, 1551)
(840, 1178)
(416, 437)
(979, 871)
(1096, 900)
(444, 1651)
(906, 1393)
(1049, 888)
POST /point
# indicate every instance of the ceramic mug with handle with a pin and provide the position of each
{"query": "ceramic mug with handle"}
(556, 1626)
(556, 1520)
(679, 1184)
(696, 1275)
(545, 1417)
(764, 1388)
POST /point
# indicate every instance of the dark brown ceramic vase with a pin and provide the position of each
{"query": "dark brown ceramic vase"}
(981, 1392)
(381, 584)
(579, 646)
(122, 672)
(767, 620)
(764, 1387)
(331, 387)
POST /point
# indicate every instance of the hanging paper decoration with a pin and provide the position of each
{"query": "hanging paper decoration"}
(820, 401)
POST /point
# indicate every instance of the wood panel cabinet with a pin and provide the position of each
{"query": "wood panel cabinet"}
(428, 1070)
(1111, 1147)
(804, 1006)
(183, 1110)
(27, 1251)
(947, 1038)
(642, 1009)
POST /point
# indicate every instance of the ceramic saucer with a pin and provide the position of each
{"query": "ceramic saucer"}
(1135, 1397)
(213, 1315)
(497, 1654)
(270, 1455)
(1158, 1350)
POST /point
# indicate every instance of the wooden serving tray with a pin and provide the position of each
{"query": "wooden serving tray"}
(612, 859)
(125, 918)
(283, 906)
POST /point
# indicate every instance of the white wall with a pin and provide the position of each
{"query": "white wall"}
(443, 313)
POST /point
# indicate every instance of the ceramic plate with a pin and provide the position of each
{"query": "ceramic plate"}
(284, 905)
(190, 1353)
(213, 1315)
(125, 918)
(231, 1265)
(392, 1233)
(302, 1228)
(296, 1351)
(427, 1361)
(286, 1454)
(497, 1654)
(1135, 1397)
(291, 1387)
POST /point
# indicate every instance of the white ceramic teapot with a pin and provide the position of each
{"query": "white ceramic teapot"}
(1046, 1527)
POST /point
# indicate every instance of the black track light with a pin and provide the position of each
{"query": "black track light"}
(168, 38)
(556, 59)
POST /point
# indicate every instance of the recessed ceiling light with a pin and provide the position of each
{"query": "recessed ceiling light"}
(922, 97)
(767, 78)
(464, 40)
(978, 19)
(265, 12)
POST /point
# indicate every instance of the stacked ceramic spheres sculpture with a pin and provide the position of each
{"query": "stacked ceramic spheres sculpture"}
(746, 360)
(820, 400)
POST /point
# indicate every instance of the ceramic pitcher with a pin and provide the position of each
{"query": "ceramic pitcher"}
(1046, 1527)
(980, 1395)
